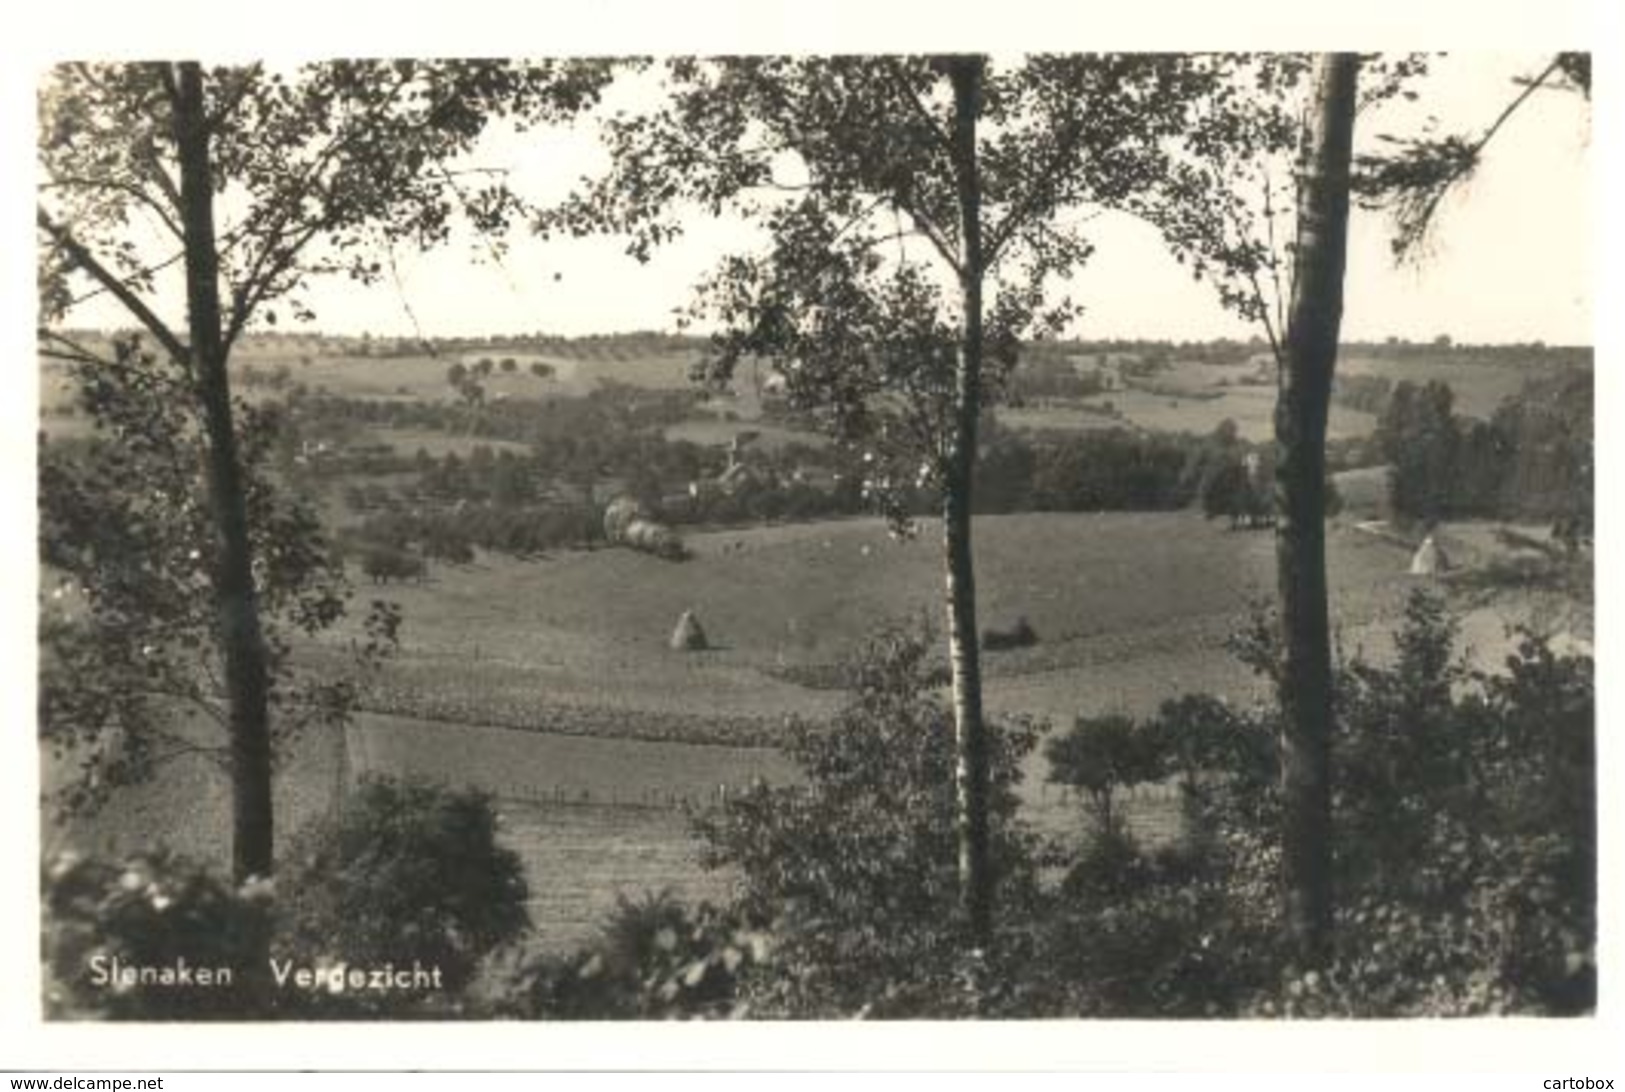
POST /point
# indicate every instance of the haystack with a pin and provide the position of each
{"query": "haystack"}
(1019, 634)
(1429, 559)
(688, 636)
(620, 514)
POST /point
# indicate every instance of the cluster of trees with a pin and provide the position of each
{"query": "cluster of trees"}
(1532, 460)
(619, 406)
(774, 495)
(1114, 469)
(506, 498)
(1239, 490)
(1434, 764)
(1099, 470)
(1366, 393)
(611, 431)
(1049, 376)
(451, 534)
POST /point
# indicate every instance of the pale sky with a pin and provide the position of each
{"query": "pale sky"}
(1511, 260)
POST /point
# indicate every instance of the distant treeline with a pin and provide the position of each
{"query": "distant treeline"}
(642, 343)
(606, 431)
(1528, 352)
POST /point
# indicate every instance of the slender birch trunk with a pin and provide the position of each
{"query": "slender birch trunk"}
(971, 767)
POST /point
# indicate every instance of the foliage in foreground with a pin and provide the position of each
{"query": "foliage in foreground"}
(151, 911)
(406, 872)
(129, 634)
(407, 876)
(1466, 855)
(1466, 873)
(855, 869)
(1464, 813)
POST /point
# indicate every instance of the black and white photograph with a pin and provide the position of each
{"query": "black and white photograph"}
(981, 534)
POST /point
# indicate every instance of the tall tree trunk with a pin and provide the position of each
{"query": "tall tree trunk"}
(970, 732)
(243, 642)
(1300, 485)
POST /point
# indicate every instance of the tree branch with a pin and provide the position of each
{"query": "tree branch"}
(252, 293)
(1468, 162)
(121, 187)
(950, 254)
(161, 176)
(1532, 86)
(82, 258)
(73, 352)
(911, 98)
(1040, 195)
(1252, 280)
(1275, 260)
(145, 271)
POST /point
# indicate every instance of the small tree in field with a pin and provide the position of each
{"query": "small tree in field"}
(1102, 755)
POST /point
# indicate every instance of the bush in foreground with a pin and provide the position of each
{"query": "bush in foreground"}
(407, 872)
(407, 877)
(1464, 818)
(147, 938)
(854, 869)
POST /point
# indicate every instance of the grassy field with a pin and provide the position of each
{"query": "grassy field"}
(1194, 397)
(1364, 492)
(1054, 418)
(709, 431)
(422, 376)
(1131, 609)
(806, 593)
(1479, 386)
(1251, 408)
(580, 860)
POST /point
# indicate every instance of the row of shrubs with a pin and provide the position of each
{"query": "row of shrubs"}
(1466, 860)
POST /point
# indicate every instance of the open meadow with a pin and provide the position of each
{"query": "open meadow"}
(528, 680)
